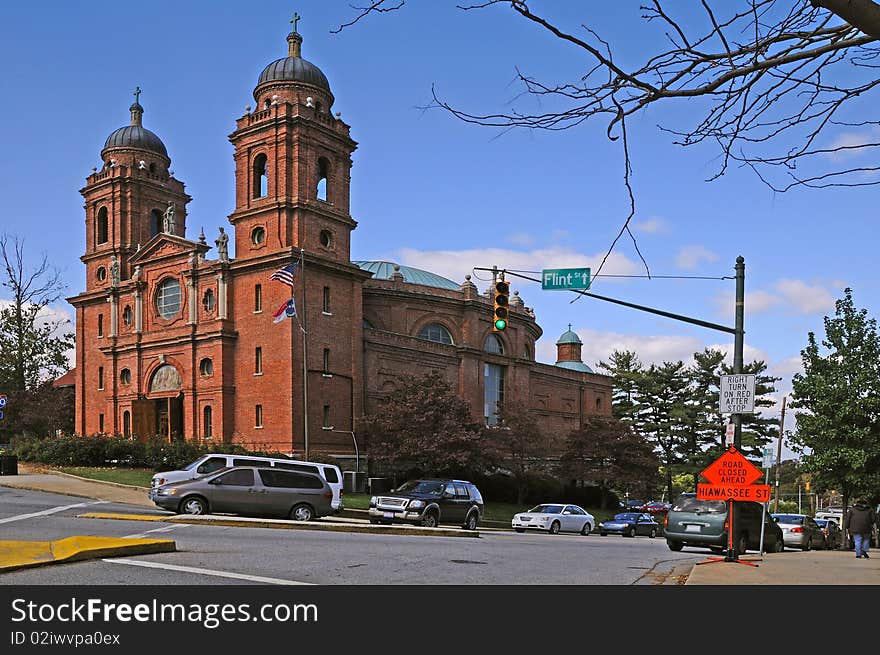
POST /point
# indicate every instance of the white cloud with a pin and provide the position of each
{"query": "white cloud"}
(455, 264)
(653, 225)
(803, 298)
(851, 142)
(690, 257)
(521, 239)
(755, 302)
(786, 368)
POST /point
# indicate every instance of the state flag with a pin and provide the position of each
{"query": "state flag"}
(287, 310)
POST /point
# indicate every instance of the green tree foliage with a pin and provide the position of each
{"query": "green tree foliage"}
(625, 367)
(608, 454)
(423, 424)
(40, 412)
(516, 444)
(837, 403)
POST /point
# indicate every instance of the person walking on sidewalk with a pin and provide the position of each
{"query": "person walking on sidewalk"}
(859, 523)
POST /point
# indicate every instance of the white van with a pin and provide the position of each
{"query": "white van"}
(215, 461)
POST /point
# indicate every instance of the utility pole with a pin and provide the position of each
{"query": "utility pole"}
(779, 454)
(738, 340)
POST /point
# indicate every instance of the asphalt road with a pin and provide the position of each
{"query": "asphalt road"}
(210, 555)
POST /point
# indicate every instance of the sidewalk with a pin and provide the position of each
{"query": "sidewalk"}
(788, 568)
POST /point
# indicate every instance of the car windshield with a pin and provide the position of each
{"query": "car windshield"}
(546, 509)
(629, 516)
(191, 465)
(793, 519)
(691, 504)
(430, 487)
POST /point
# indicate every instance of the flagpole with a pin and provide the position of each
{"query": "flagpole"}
(302, 258)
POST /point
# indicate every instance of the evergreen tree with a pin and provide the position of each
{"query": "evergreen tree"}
(838, 395)
(624, 366)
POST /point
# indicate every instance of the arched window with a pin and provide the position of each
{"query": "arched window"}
(206, 367)
(155, 222)
(101, 226)
(168, 298)
(261, 177)
(493, 345)
(207, 419)
(435, 332)
(126, 423)
(321, 191)
(208, 301)
(127, 316)
(599, 404)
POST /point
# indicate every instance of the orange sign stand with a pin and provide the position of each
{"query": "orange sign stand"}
(731, 478)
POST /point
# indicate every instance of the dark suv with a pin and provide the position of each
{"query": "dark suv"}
(428, 503)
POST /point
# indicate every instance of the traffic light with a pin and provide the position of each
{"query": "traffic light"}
(499, 317)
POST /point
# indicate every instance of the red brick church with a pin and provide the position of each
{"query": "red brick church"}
(177, 340)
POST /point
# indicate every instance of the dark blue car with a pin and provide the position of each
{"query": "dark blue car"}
(630, 524)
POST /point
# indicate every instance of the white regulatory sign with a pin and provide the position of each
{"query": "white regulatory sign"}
(737, 394)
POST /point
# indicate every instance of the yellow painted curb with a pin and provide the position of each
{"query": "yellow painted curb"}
(25, 554)
(281, 524)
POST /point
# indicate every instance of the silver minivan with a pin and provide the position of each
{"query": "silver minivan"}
(250, 491)
(211, 462)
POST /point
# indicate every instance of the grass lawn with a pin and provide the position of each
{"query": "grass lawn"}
(141, 478)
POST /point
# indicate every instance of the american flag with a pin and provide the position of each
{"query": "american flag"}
(286, 274)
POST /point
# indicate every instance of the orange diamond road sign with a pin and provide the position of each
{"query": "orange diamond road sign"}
(759, 493)
(732, 468)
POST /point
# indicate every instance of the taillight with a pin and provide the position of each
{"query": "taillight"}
(797, 529)
(665, 521)
(329, 494)
(726, 524)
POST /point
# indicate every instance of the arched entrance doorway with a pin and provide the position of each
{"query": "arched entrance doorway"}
(165, 403)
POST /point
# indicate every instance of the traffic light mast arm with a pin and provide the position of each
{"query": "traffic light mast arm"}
(677, 317)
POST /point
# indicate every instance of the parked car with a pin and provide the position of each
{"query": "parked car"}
(630, 524)
(250, 491)
(800, 531)
(215, 461)
(428, 503)
(705, 524)
(555, 518)
(832, 531)
(655, 507)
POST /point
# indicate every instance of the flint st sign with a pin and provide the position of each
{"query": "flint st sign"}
(565, 278)
(737, 394)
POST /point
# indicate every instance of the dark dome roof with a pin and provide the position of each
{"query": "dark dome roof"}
(136, 136)
(294, 69)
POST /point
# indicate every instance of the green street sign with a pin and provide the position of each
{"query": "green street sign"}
(565, 278)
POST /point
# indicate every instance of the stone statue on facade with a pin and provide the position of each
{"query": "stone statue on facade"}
(114, 271)
(168, 219)
(222, 242)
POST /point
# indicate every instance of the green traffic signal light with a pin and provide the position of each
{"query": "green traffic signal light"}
(501, 302)
(500, 324)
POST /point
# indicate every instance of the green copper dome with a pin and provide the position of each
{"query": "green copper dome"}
(384, 271)
(569, 337)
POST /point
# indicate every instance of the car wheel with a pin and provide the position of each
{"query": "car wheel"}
(629, 532)
(429, 520)
(603, 534)
(742, 544)
(807, 546)
(587, 529)
(653, 533)
(471, 522)
(520, 529)
(778, 545)
(193, 505)
(302, 512)
(674, 546)
(554, 527)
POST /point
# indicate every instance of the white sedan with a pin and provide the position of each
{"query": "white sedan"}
(555, 518)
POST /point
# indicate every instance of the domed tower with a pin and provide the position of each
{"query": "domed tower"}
(292, 164)
(568, 352)
(128, 199)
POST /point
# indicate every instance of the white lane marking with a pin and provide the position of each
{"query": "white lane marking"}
(53, 510)
(219, 574)
(141, 535)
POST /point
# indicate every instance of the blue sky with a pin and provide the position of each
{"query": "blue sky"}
(427, 190)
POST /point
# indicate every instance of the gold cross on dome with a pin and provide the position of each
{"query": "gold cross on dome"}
(137, 94)
(295, 20)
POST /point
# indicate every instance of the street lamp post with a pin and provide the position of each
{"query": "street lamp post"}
(357, 460)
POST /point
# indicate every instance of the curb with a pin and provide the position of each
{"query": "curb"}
(28, 554)
(282, 524)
